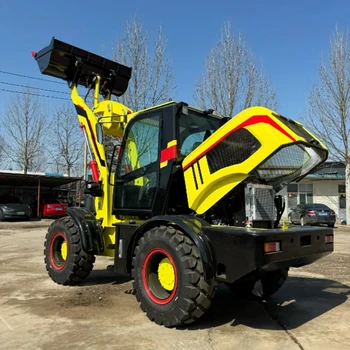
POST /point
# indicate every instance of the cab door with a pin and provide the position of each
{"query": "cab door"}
(137, 173)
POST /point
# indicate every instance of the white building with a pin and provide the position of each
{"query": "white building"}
(324, 185)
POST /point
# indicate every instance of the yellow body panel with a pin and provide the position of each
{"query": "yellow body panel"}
(205, 190)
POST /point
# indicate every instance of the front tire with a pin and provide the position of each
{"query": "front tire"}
(66, 261)
(169, 278)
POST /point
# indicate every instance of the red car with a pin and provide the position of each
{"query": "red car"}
(50, 208)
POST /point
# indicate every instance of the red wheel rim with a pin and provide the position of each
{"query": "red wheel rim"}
(154, 256)
(57, 262)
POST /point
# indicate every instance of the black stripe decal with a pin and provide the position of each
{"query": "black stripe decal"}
(194, 176)
(82, 112)
(200, 172)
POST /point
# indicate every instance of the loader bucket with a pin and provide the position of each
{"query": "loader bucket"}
(67, 62)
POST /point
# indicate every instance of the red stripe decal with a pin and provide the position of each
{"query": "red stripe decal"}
(251, 121)
(168, 153)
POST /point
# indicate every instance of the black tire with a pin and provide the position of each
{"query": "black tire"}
(190, 296)
(270, 282)
(331, 225)
(76, 265)
(242, 289)
(2, 216)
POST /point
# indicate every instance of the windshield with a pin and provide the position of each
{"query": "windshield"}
(9, 199)
(51, 201)
(316, 206)
(194, 128)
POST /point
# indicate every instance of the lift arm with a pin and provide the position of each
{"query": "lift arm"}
(106, 117)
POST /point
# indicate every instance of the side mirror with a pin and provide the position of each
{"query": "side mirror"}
(99, 133)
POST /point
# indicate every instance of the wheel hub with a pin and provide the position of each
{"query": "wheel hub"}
(166, 274)
(64, 250)
(58, 251)
(159, 276)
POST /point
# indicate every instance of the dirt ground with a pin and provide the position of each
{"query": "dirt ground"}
(311, 311)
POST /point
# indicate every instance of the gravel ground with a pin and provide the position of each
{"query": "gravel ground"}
(311, 311)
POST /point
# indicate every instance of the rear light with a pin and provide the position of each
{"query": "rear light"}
(310, 212)
(329, 239)
(332, 213)
(272, 247)
(49, 206)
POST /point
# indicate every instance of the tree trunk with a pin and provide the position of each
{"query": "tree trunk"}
(347, 190)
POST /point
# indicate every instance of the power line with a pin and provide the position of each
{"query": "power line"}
(29, 77)
(35, 88)
(29, 93)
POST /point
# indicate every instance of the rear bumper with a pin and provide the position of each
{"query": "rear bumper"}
(320, 221)
(54, 213)
(12, 214)
(238, 252)
(17, 217)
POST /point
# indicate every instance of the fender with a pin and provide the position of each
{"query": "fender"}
(190, 226)
(89, 229)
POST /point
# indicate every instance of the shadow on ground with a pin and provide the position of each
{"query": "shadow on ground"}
(104, 276)
(299, 301)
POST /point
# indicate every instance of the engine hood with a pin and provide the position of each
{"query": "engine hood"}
(257, 142)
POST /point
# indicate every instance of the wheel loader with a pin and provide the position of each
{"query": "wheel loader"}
(188, 199)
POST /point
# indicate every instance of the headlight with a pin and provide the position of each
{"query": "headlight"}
(5, 207)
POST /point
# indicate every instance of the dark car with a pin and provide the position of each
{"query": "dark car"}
(13, 208)
(312, 214)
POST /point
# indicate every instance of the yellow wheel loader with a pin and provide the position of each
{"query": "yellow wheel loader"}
(188, 200)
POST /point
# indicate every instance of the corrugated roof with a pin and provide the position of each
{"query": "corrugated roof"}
(11, 178)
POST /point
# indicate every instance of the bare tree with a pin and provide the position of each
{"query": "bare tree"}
(231, 80)
(152, 80)
(24, 126)
(328, 113)
(2, 150)
(67, 140)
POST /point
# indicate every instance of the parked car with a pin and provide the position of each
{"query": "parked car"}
(50, 207)
(312, 214)
(12, 207)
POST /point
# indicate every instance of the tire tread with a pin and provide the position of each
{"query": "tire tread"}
(199, 293)
(82, 262)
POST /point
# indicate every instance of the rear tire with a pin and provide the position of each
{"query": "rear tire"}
(187, 295)
(66, 261)
(268, 284)
(272, 281)
(331, 225)
(2, 218)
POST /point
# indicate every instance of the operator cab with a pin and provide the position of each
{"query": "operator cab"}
(149, 165)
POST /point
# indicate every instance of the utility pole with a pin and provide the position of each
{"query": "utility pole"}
(85, 168)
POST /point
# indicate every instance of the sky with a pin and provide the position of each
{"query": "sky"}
(286, 37)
